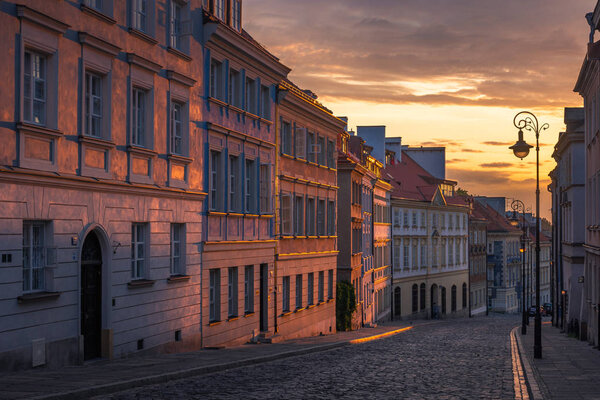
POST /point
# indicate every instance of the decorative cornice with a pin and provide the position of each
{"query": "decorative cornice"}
(32, 15)
(99, 44)
(143, 63)
(180, 78)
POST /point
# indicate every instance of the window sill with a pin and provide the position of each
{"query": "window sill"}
(214, 323)
(329, 300)
(179, 158)
(142, 35)
(233, 318)
(141, 151)
(38, 129)
(98, 14)
(266, 216)
(321, 302)
(37, 296)
(310, 306)
(138, 283)
(179, 53)
(104, 143)
(178, 278)
(285, 313)
(297, 310)
(248, 314)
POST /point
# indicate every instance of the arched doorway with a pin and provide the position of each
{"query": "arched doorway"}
(397, 302)
(91, 296)
(443, 300)
(434, 301)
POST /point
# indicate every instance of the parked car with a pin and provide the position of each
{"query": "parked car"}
(547, 308)
(532, 311)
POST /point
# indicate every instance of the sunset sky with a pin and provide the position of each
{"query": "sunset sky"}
(439, 72)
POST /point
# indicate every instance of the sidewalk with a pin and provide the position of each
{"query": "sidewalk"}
(569, 368)
(103, 377)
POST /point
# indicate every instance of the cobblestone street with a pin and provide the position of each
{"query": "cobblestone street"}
(466, 358)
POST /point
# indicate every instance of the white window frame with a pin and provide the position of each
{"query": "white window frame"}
(265, 200)
(236, 15)
(250, 186)
(89, 114)
(177, 250)
(139, 117)
(34, 256)
(215, 176)
(142, 15)
(30, 83)
(287, 214)
(217, 83)
(234, 191)
(220, 10)
(139, 250)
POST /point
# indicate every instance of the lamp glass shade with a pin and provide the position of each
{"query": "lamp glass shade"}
(521, 148)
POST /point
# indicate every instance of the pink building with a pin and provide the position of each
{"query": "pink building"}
(101, 183)
(307, 192)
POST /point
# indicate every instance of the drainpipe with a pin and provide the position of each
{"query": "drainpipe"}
(279, 96)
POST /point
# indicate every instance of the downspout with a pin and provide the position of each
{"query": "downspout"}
(278, 100)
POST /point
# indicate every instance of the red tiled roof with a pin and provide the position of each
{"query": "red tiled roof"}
(496, 221)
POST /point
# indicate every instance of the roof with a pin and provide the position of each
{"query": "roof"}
(412, 182)
(496, 221)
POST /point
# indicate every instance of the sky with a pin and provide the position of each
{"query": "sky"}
(447, 73)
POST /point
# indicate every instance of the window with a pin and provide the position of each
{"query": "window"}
(216, 188)
(414, 218)
(453, 299)
(220, 10)
(35, 88)
(251, 96)
(286, 214)
(286, 138)
(214, 295)
(138, 123)
(34, 256)
(286, 294)
(464, 295)
(321, 217)
(422, 220)
(405, 258)
(141, 15)
(250, 187)
(415, 298)
(265, 102)
(175, 30)
(330, 154)
(235, 88)
(422, 294)
(232, 288)
(216, 80)
(234, 183)
(321, 150)
(310, 216)
(330, 284)
(299, 291)
(138, 251)
(331, 217)
(423, 255)
(311, 146)
(311, 289)
(93, 105)
(300, 142)
(321, 289)
(265, 189)
(405, 219)
(177, 263)
(236, 15)
(415, 255)
(177, 128)
(299, 216)
(249, 289)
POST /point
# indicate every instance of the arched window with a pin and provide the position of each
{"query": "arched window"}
(397, 302)
(464, 297)
(422, 294)
(415, 298)
(453, 303)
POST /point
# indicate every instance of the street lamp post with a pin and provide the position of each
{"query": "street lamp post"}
(526, 120)
(515, 207)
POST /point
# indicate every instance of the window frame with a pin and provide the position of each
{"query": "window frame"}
(298, 291)
(32, 86)
(310, 289)
(232, 292)
(248, 289)
(176, 255)
(28, 285)
(139, 265)
(287, 214)
(285, 301)
(216, 186)
(214, 295)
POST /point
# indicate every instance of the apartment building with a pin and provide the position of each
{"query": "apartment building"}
(477, 259)
(101, 183)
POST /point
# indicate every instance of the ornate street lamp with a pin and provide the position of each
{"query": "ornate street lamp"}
(528, 121)
(515, 207)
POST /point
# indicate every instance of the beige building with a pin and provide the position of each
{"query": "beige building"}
(430, 244)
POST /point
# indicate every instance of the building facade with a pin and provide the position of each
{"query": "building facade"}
(430, 239)
(382, 249)
(306, 254)
(101, 181)
(568, 211)
(588, 85)
(477, 259)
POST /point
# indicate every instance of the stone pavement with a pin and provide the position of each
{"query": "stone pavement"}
(467, 358)
(569, 369)
(102, 377)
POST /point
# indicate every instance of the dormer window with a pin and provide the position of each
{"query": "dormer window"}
(236, 15)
